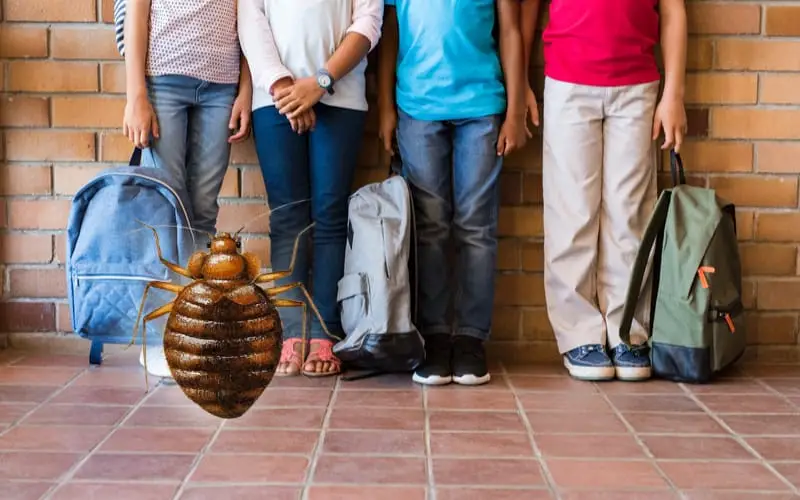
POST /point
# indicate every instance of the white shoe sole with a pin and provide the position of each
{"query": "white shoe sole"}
(633, 374)
(590, 373)
(472, 379)
(431, 379)
(156, 363)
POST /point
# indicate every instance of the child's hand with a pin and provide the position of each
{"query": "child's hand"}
(671, 116)
(295, 100)
(512, 135)
(240, 117)
(139, 121)
(532, 108)
(387, 125)
(305, 122)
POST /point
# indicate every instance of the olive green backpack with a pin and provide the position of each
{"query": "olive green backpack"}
(697, 316)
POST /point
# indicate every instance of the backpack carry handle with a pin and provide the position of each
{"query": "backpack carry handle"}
(136, 157)
(676, 168)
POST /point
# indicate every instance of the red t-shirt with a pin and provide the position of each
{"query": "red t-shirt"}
(602, 42)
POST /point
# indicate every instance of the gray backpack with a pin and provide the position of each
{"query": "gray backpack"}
(375, 297)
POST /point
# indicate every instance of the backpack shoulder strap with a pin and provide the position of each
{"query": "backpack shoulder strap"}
(654, 229)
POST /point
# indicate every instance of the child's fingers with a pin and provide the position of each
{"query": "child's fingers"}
(501, 144)
(656, 127)
(678, 139)
(669, 137)
(155, 128)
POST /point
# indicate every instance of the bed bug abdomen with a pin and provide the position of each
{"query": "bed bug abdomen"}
(222, 342)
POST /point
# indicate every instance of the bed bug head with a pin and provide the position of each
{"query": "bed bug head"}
(225, 244)
(223, 261)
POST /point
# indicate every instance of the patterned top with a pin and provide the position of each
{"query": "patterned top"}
(196, 38)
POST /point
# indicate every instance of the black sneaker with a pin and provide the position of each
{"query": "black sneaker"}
(435, 370)
(469, 361)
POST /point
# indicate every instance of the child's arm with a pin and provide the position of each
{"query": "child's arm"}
(671, 114)
(512, 135)
(258, 47)
(529, 13)
(361, 37)
(242, 106)
(387, 68)
(140, 119)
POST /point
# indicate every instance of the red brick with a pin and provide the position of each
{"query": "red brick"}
(752, 54)
(506, 324)
(699, 53)
(532, 191)
(723, 18)
(3, 214)
(520, 221)
(519, 290)
(254, 216)
(528, 158)
(745, 224)
(22, 41)
(52, 76)
(716, 156)
(536, 325)
(64, 318)
(779, 89)
(779, 157)
(761, 259)
(112, 76)
(49, 145)
(60, 248)
(82, 43)
(38, 214)
(757, 191)
(782, 20)
(244, 153)
(755, 123)
(230, 184)
(771, 329)
(721, 88)
(38, 283)
(24, 111)
(69, 179)
(778, 295)
(27, 316)
(24, 180)
(510, 188)
(778, 227)
(86, 111)
(50, 10)
(253, 183)
(21, 248)
(508, 255)
(260, 247)
(107, 8)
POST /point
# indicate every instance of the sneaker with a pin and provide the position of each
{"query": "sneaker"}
(589, 362)
(469, 361)
(436, 369)
(156, 362)
(632, 363)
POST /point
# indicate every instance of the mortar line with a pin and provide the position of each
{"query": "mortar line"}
(311, 468)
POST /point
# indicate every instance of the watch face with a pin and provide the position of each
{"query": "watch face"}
(324, 80)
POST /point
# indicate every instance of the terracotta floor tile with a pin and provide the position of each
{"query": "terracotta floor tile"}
(381, 399)
(26, 393)
(131, 377)
(377, 418)
(779, 425)
(375, 442)
(776, 448)
(652, 386)
(133, 467)
(11, 412)
(729, 386)
(13, 490)
(101, 491)
(735, 495)
(696, 448)
(56, 414)
(53, 438)
(446, 420)
(168, 395)
(50, 376)
(543, 369)
(791, 471)
(36, 465)
(644, 402)
(303, 382)
(264, 441)
(551, 384)
(589, 446)
(462, 398)
(620, 494)
(127, 396)
(673, 423)
(340, 469)
(172, 416)
(576, 423)
(747, 404)
(294, 398)
(156, 439)
(261, 492)
(563, 401)
(366, 493)
(390, 381)
(492, 494)
(604, 474)
(52, 361)
(787, 386)
(477, 444)
(719, 475)
(501, 472)
(290, 469)
(285, 418)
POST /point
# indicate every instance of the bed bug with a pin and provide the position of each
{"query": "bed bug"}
(223, 336)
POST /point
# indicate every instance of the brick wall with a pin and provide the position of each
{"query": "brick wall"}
(61, 108)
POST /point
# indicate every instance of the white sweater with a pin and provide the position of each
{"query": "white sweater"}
(296, 38)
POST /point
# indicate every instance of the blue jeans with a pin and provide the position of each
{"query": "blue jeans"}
(193, 117)
(454, 171)
(318, 166)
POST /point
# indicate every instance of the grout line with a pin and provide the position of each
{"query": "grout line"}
(431, 490)
(311, 468)
(197, 460)
(742, 442)
(548, 477)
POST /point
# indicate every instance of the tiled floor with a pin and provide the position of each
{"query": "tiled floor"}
(78, 433)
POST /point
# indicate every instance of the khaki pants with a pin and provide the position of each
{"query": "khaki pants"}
(599, 191)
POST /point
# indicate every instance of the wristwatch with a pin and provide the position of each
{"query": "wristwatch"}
(325, 80)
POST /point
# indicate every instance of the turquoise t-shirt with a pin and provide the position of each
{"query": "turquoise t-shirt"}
(448, 64)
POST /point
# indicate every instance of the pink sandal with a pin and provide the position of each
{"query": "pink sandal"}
(292, 355)
(324, 353)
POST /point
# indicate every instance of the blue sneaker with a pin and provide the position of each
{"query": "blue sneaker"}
(632, 363)
(589, 362)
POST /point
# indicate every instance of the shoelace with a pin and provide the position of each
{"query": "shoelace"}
(588, 349)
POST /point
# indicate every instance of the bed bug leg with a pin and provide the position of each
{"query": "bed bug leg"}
(161, 311)
(275, 276)
(171, 266)
(297, 303)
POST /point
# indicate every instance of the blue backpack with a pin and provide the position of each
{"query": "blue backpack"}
(111, 256)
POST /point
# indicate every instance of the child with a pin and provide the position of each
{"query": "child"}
(457, 119)
(600, 118)
(189, 97)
